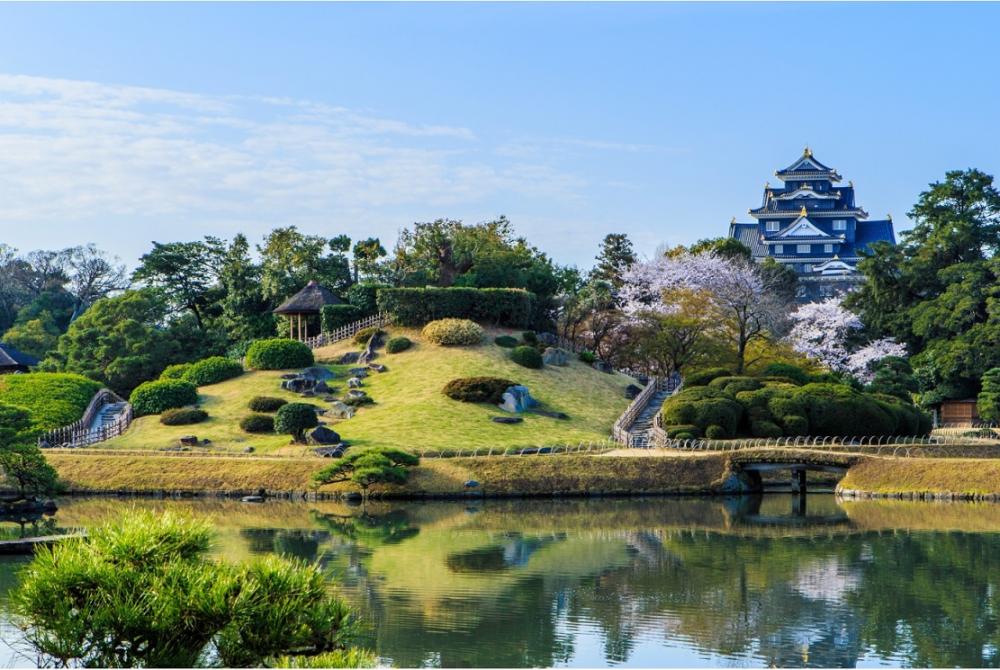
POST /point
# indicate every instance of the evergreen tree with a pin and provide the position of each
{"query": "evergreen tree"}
(246, 315)
(616, 256)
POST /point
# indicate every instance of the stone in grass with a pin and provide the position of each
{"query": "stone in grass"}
(324, 435)
(356, 393)
(289, 375)
(248, 450)
(506, 419)
(321, 387)
(517, 399)
(555, 356)
(602, 366)
(335, 451)
(355, 382)
(631, 391)
(377, 367)
(349, 357)
(339, 410)
(359, 372)
(189, 440)
(317, 373)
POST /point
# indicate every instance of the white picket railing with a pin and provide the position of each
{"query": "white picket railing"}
(344, 332)
(82, 433)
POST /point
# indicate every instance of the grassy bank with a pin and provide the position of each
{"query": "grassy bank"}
(528, 475)
(935, 476)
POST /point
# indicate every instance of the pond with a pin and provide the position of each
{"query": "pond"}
(755, 581)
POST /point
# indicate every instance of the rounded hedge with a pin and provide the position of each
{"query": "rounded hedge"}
(453, 332)
(264, 403)
(716, 432)
(398, 344)
(788, 371)
(688, 429)
(795, 425)
(278, 354)
(257, 423)
(295, 419)
(213, 370)
(175, 371)
(505, 341)
(162, 394)
(183, 416)
(529, 337)
(704, 377)
(765, 429)
(526, 356)
(477, 389)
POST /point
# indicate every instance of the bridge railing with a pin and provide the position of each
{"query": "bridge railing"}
(877, 444)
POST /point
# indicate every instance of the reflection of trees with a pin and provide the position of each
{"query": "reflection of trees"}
(303, 544)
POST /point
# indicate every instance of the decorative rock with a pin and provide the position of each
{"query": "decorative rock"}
(555, 356)
(359, 372)
(341, 411)
(517, 399)
(298, 384)
(548, 339)
(320, 411)
(316, 373)
(324, 435)
(356, 393)
(471, 484)
(248, 450)
(631, 391)
(506, 419)
(321, 387)
(289, 375)
(355, 382)
(378, 367)
(335, 451)
(602, 366)
(349, 357)
(189, 440)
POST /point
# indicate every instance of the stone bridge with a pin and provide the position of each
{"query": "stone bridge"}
(750, 466)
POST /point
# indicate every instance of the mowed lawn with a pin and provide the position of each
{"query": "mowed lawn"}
(410, 410)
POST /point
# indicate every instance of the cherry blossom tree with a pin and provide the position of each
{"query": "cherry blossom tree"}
(833, 335)
(749, 303)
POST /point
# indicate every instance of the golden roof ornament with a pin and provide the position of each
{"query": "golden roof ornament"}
(807, 152)
(803, 212)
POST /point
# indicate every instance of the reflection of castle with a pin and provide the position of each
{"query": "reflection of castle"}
(814, 226)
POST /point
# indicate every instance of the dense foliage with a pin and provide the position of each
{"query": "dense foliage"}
(505, 341)
(417, 306)
(89, 602)
(376, 465)
(22, 466)
(163, 394)
(257, 423)
(212, 371)
(295, 419)
(988, 402)
(362, 336)
(526, 356)
(333, 317)
(263, 403)
(398, 344)
(477, 389)
(453, 332)
(175, 371)
(278, 354)
(54, 400)
(721, 406)
(182, 416)
(364, 298)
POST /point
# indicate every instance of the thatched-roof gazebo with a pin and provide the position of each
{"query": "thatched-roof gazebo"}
(307, 302)
(12, 360)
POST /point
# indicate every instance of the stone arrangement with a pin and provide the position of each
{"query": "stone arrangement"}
(517, 399)
(555, 356)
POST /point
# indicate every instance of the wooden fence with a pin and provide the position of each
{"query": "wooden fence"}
(621, 432)
(83, 433)
(377, 320)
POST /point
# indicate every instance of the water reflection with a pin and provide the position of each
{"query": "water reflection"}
(658, 582)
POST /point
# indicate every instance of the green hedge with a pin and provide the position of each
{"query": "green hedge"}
(453, 332)
(398, 344)
(264, 403)
(526, 356)
(162, 394)
(333, 317)
(477, 389)
(416, 306)
(175, 371)
(703, 377)
(505, 341)
(365, 297)
(212, 371)
(257, 423)
(54, 399)
(278, 354)
(182, 416)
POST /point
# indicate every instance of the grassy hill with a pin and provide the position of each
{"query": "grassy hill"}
(410, 410)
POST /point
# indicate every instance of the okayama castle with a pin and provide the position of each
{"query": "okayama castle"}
(813, 225)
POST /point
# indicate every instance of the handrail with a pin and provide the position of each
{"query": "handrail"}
(346, 331)
(82, 433)
(621, 432)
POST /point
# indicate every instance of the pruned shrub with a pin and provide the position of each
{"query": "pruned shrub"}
(526, 356)
(587, 357)
(175, 371)
(792, 372)
(477, 389)
(213, 370)
(278, 354)
(295, 419)
(453, 332)
(398, 344)
(529, 337)
(704, 377)
(501, 306)
(505, 341)
(183, 416)
(795, 425)
(264, 403)
(716, 432)
(333, 317)
(764, 429)
(685, 435)
(686, 429)
(362, 336)
(162, 394)
(734, 385)
(257, 423)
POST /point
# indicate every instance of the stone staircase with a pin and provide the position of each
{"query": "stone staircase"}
(644, 422)
(106, 417)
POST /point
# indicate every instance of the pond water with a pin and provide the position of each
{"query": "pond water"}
(650, 582)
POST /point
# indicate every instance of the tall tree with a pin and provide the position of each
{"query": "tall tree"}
(245, 312)
(367, 254)
(617, 255)
(290, 259)
(186, 273)
(93, 275)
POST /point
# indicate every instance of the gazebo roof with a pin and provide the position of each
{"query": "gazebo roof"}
(11, 357)
(309, 300)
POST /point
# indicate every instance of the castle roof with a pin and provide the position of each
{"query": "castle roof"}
(12, 358)
(808, 167)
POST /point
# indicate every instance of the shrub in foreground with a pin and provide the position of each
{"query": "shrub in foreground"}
(213, 370)
(183, 416)
(526, 356)
(477, 389)
(162, 394)
(376, 465)
(295, 419)
(257, 423)
(398, 344)
(86, 602)
(453, 332)
(505, 341)
(278, 354)
(264, 403)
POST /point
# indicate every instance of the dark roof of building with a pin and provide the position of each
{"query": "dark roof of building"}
(309, 300)
(11, 357)
(873, 231)
(808, 164)
(749, 235)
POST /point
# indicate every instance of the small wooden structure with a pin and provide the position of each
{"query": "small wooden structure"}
(306, 303)
(958, 413)
(12, 360)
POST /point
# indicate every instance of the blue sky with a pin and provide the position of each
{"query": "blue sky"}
(125, 123)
